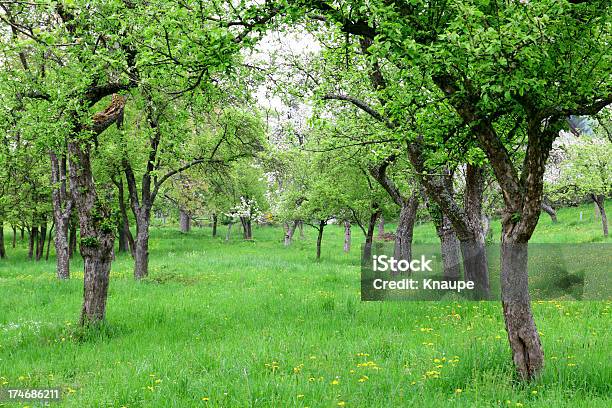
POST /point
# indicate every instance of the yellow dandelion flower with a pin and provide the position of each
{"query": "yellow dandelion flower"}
(335, 382)
(205, 399)
(341, 403)
(458, 391)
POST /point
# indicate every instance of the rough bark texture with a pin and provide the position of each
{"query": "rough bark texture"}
(405, 228)
(42, 238)
(62, 208)
(14, 236)
(347, 236)
(95, 217)
(97, 239)
(522, 332)
(184, 220)
(450, 250)
(600, 202)
(141, 249)
(49, 240)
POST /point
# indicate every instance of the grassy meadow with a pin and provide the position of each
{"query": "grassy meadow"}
(255, 324)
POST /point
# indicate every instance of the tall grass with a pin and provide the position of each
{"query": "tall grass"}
(255, 324)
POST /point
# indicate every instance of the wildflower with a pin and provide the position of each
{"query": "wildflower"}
(205, 399)
(458, 391)
(335, 382)
(534, 392)
(341, 403)
(364, 378)
(300, 395)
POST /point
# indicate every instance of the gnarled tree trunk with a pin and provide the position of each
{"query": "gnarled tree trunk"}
(405, 228)
(184, 220)
(450, 250)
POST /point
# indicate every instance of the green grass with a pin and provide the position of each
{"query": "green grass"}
(256, 324)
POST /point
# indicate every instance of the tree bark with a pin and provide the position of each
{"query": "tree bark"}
(72, 240)
(289, 231)
(600, 202)
(405, 228)
(126, 240)
(214, 225)
(550, 211)
(347, 236)
(522, 332)
(322, 224)
(97, 238)
(40, 244)
(141, 250)
(369, 238)
(49, 240)
(246, 228)
(14, 236)
(62, 209)
(2, 248)
(33, 240)
(301, 227)
(450, 250)
(95, 217)
(185, 220)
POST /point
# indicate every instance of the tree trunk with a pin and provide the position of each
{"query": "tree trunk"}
(347, 236)
(381, 226)
(450, 249)
(289, 231)
(522, 332)
(72, 241)
(2, 249)
(369, 238)
(214, 225)
(550, 211)
(33, 240)
(301, 227)
(185, 220)
(42, 237)
(22, 232)
(600, 202)
(49, 240)
(126, 240)
(475, 266)
(62, 209)
(97, 239)
(405, 228)
(141, 250)
(14, 236)
(249, 229)
(322, 224)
